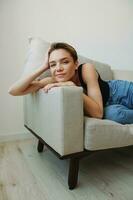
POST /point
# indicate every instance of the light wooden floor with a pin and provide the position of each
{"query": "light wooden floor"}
(27, 175)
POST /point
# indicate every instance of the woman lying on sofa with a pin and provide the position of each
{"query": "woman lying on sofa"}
(111, 99)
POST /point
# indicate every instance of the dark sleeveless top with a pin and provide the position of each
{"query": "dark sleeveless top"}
(104, 87)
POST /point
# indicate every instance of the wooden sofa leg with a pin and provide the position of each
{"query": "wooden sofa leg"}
(73, 173)
(40, 146)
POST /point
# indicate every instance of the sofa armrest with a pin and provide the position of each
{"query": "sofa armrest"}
(57, 117)
(123, 75)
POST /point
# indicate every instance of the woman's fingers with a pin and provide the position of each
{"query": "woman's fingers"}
(49, 86)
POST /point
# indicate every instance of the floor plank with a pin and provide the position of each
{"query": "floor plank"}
(26, 174)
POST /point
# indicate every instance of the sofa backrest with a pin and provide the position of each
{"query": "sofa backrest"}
(103, 69)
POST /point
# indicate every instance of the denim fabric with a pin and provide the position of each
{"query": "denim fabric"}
(119, 107)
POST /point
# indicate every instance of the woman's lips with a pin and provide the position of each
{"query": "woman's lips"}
(60, 75)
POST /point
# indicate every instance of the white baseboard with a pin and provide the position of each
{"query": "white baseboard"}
(15, 136)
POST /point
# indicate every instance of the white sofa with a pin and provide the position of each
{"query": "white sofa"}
(56, 119)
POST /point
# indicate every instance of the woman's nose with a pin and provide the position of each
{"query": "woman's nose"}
(59, 68)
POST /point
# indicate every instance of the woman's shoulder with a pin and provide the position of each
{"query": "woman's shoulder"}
(88, 70)
(86, 65)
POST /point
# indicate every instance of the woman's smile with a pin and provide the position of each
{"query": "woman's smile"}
(60, 75)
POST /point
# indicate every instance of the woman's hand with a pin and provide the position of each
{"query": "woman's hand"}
(51, 85)
(45, 65)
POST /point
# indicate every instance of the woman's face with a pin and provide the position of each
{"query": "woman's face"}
(62, 65)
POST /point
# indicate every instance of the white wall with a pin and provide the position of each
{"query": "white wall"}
(99, 29)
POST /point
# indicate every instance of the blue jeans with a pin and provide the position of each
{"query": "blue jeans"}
(119, 107)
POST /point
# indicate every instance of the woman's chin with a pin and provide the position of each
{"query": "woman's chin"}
(61, 79)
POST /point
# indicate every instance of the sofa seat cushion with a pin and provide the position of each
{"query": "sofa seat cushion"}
(104, 134)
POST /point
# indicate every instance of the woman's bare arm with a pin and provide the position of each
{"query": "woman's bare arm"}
(34, 86)
(28, 83)
(93, 104)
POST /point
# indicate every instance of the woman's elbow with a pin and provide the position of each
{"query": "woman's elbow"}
(99, 114)
(12, 92)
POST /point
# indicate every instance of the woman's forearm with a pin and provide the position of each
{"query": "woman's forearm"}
(25, 82)
(91, 108)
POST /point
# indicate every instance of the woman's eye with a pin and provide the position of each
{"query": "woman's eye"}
(52, 65)
(65, 62)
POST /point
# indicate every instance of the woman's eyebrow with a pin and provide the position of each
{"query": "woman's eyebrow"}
(53, 61)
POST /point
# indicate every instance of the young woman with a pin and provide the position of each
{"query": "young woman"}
(102, 99)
